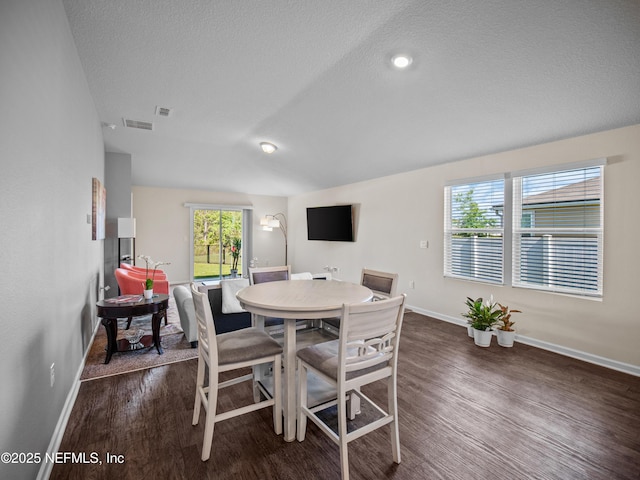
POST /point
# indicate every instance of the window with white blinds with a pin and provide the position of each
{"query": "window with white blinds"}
(557, 231)
(474, 231)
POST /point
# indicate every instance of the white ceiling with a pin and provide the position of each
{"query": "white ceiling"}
(313, 77)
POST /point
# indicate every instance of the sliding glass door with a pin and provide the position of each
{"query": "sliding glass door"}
(217, 243)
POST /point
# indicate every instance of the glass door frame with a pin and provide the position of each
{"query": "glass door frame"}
(247, 216)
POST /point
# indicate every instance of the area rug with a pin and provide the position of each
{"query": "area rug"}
(174, 344)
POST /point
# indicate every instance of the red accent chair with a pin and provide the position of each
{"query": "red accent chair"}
(159, 274)
(132, 283)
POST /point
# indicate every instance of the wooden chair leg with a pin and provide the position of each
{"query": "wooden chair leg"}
(342, 434)
(277, 393)
(302, 402)
(209, 422)
(392, 396)
(211, 406)
(199, 385)
(257, 376)
(354, 405)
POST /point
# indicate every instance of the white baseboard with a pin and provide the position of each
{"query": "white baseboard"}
(568, 352)
(58, 433)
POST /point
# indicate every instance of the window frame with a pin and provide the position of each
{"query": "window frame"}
(551, 282)
(450, 231)
(511, 227)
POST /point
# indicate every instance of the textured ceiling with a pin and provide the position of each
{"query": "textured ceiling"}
(314, 78)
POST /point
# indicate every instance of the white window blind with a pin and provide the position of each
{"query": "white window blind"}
(557, 231)
(474, 231)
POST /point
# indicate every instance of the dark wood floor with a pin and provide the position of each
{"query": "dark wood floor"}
(465, 413)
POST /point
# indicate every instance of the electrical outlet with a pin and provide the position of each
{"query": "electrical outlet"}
(52, 374)
(424, 243)
(412, 284)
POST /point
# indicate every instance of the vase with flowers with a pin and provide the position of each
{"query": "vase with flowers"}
(236, 246)
(505, 331)
(148, 283)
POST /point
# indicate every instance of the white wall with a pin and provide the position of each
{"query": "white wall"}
(50, 148)
(162, 226)
(396, 212)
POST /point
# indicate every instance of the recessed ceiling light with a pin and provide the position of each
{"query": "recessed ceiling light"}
(401, 61)
(268, 147)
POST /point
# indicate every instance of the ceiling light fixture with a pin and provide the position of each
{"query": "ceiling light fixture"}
(268, 147)
(401, 61)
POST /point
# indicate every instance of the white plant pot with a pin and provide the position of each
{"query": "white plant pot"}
(505, 339)
(482, 338)
(470, 330)
(148, 294)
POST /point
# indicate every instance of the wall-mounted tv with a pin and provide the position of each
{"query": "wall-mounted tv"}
(334, 224)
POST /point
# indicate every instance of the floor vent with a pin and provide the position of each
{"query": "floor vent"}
(138, 124)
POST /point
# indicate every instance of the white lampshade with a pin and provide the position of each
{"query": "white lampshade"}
(126, 228)
(269, 222)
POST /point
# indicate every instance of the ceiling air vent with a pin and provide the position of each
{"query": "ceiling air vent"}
(163, 111)
(138, 124)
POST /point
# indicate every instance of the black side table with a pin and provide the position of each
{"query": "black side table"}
(131, 306)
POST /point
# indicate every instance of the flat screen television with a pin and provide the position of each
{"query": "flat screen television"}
(334, 224)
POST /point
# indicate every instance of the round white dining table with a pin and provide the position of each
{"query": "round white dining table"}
(294, 300)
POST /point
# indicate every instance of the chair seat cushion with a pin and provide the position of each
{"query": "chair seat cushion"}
(324, 358)
(246, 344)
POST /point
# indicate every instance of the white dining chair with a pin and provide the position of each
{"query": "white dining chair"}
(365, 352)
(230, 351)
(273, 274)
(382, 284)
(269, 274)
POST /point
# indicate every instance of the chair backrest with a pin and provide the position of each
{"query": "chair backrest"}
(184, 302)
(129, 284)
(207, 344)
(269, 274)
(369, 335)
(382, 284)
(133, 283)
(159, 274)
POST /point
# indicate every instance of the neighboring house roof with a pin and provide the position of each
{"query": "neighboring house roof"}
(574, 192)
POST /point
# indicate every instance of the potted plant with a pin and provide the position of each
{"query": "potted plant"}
(148, 283)
(506, 334)
(235, 253)
(482, 316)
